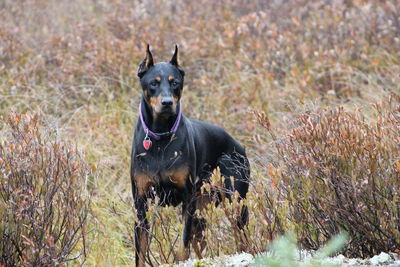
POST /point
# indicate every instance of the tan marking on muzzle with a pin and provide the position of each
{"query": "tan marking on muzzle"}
(155, 103)
(175, 100)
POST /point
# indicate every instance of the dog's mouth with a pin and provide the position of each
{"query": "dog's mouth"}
(168, 109)
(165, 111)
(161, 109)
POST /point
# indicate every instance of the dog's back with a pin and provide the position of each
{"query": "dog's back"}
(216, 148)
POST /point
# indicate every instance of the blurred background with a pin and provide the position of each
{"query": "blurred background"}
(311, 88)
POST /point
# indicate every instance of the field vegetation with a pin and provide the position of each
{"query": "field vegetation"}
(311, 88)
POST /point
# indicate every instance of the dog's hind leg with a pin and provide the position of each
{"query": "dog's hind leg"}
(198, 239)
(199, 224)
(236, 165)
(188, 211)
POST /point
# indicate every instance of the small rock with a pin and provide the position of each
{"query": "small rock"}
(395, 256)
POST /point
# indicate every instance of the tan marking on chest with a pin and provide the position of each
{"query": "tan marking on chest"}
(179, 177)
(143, 183)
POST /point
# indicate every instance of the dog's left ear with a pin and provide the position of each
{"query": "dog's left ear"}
(174, 61)
(146, 64)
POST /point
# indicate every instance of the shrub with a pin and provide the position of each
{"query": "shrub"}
(43, 204)
(338, 171)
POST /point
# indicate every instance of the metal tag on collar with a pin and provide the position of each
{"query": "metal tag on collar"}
(146, 141)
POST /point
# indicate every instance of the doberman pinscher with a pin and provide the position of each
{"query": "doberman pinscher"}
(172, 156)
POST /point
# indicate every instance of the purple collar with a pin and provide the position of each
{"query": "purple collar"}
(157, 136)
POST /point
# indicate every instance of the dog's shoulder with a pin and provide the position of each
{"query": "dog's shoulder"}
(207, 135)
(207, 129)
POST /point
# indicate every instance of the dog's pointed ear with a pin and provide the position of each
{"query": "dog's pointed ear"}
(146, 64)
(175, 61)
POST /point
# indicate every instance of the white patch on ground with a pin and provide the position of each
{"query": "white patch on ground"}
(338, 260)
(239, 260)
(245, 259)
(353, 262)
(381, 258)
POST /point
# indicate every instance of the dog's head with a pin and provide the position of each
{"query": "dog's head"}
(162, 83)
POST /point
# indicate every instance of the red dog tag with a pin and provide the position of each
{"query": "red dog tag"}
(147, 144)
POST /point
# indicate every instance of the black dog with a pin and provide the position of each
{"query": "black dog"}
(172, 156)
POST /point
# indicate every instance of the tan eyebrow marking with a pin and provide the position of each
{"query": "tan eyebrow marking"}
(170, 78)
(158, 78)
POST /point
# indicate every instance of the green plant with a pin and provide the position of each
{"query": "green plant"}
(283, 252)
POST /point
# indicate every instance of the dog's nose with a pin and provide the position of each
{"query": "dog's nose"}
(166, 101)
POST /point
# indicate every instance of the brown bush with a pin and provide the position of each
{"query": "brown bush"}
(339, 171)
(43, 204)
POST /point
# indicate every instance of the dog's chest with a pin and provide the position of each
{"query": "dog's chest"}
(165, 166)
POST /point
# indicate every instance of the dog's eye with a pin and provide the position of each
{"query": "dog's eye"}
(154, 83)
(175, 83)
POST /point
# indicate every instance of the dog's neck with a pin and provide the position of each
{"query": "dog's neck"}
(158, 124)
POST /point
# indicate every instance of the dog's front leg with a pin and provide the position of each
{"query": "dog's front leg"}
(141, 231)
(189, 209)
(141, 184)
